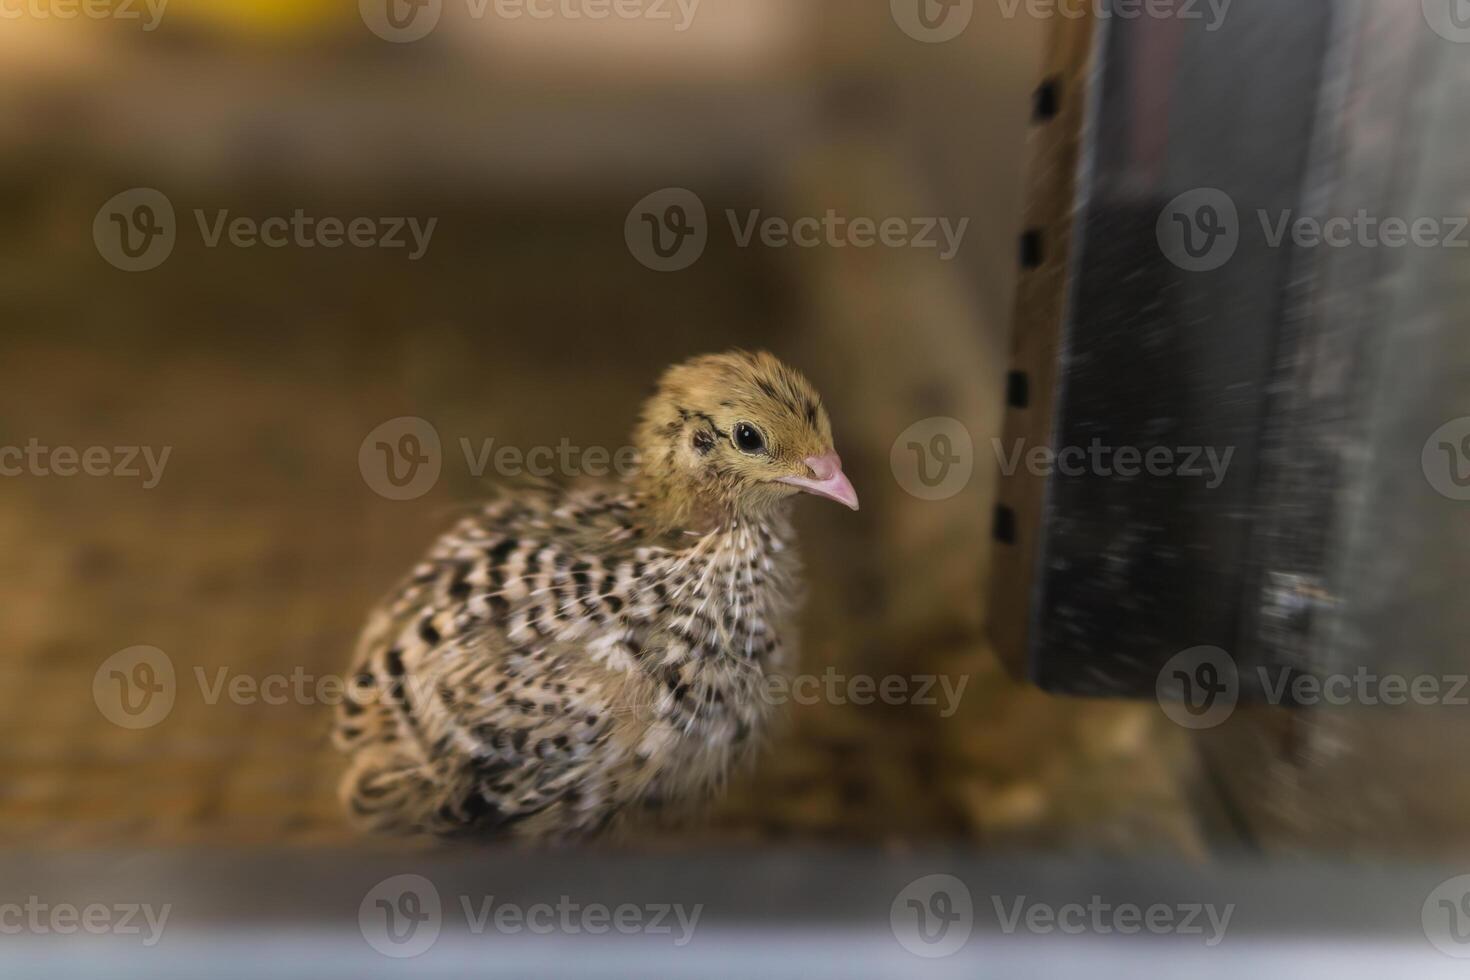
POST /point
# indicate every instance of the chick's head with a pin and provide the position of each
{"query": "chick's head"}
(732, 435)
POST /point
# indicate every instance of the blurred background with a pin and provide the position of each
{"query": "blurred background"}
(526, 320)
(497, 166)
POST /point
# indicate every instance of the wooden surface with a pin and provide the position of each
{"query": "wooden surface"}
(1043, 252)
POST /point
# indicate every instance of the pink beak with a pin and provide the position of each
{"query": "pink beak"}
(830, 481)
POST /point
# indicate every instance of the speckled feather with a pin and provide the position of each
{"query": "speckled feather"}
(569, 662)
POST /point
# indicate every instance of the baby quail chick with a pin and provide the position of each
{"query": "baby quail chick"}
(566, 661)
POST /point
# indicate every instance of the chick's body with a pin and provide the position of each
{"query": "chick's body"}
(564, 662)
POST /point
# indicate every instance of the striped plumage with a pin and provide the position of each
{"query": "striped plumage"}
(564, 662)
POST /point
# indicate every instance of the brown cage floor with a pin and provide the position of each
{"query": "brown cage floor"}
(262, 547)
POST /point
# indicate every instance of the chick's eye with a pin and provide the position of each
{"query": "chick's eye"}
(748, 439)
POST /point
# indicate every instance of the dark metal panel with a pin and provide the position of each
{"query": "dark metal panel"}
(1370, 432)
(1338, 545)
(1158, 356)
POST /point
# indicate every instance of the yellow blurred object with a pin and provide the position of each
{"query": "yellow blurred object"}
(274, 17)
